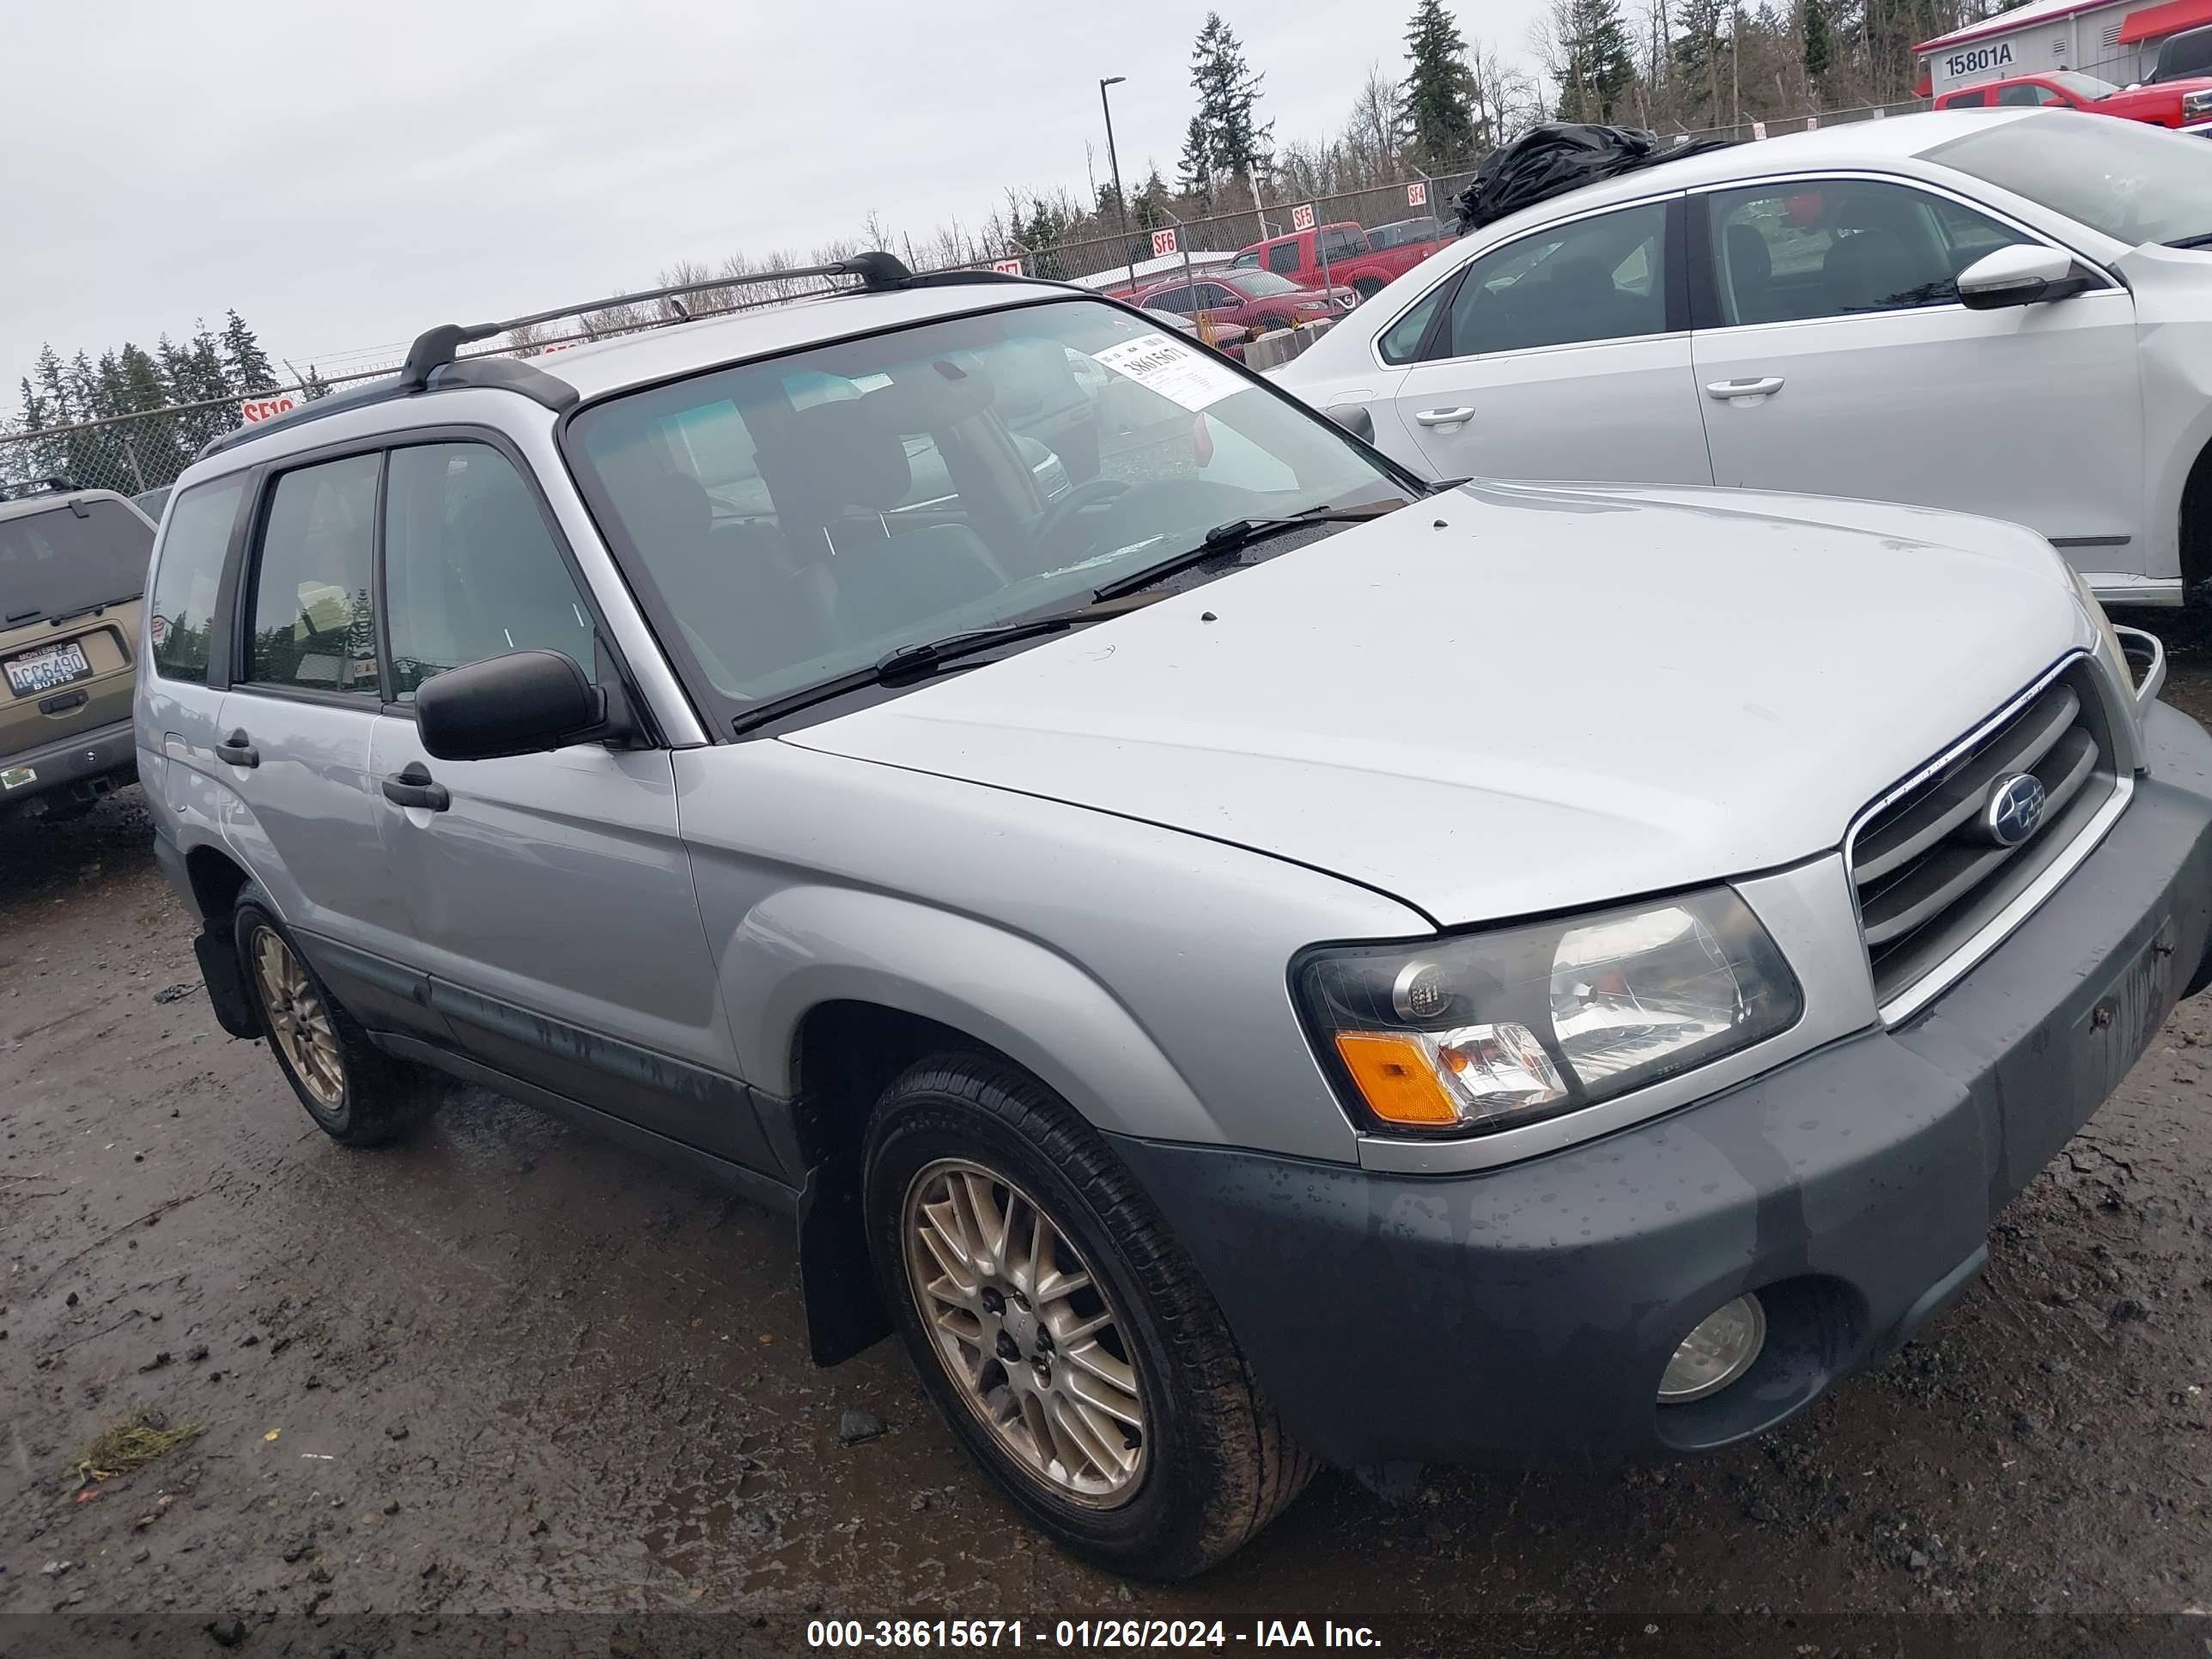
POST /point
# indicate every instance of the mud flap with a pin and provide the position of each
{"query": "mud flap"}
(844, 1313)
(226, 985)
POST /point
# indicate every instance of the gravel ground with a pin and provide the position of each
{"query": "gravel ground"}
(439, 1394)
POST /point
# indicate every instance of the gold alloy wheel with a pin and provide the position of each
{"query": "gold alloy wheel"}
(299, 1024)
(1024, 1330)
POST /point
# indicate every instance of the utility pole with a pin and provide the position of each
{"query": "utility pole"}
(1113, 161)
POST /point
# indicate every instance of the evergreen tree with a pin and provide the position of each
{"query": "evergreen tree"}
(1600, 72)
(1436, 119)
(1228, 95)
(1149, 211)
(1197, 164)
(1819, 54)
(248, 365)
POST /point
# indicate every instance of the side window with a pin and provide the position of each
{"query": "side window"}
(1176, 299)
(191, 570)
(1247, 260)
(1975, 100)
(1343, 244)
(1596, 279)
(1837, 247)
(1400, 342)
(1283, 257)
(314, 623)
(2025, 92)
(1213, 297)
(470, 569)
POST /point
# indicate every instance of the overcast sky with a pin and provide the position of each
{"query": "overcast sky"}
(345, 176)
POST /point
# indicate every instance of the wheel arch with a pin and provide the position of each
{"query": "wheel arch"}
(2194, 529)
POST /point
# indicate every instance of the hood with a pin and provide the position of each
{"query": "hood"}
(1513, 698)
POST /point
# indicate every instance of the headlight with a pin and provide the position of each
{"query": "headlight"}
(2108, 642)
(2195, 103)
(1488, 1031)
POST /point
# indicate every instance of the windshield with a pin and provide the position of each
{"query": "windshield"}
(2084, 86)
(799, 517)
(54, 563)
(1265, 284)
(2134, 182)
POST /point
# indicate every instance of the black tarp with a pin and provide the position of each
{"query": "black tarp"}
(1563, 155)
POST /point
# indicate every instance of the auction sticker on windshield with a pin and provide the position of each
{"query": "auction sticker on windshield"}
(1180, 373)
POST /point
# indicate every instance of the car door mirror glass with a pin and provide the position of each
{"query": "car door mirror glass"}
(2021, 275)
(524, 703)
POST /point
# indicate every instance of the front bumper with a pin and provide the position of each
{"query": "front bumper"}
(78, 767)
(1524, 1315)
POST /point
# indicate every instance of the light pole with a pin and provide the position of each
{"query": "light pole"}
(1121, 202)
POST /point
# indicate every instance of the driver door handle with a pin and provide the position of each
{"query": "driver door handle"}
(1723, 390)
(1448, 416)
(237, 750)
(412, 786)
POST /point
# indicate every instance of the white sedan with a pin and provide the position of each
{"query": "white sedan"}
(2000, 312)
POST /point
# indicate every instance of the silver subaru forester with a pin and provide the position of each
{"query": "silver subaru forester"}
(1244, 957)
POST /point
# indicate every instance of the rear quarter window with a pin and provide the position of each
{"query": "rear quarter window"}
(187, 573)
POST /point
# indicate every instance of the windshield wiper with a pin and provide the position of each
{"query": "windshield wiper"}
(92, 610)
(2202, 238)
(909, 665)
(1236, 534)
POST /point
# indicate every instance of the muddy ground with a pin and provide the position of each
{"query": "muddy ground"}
(510, 1372)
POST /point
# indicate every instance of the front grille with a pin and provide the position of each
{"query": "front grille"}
(1929, 878)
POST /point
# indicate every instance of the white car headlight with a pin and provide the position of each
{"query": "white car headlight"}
(1486, 1031)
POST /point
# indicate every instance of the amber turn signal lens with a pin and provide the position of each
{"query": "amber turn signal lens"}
(1396, 1078)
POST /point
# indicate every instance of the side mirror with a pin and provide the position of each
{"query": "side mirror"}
(2023, 275)
(523, 703)
(1355, 418)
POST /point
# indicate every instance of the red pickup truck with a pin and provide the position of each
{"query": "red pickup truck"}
(2183, 103)
(1352, 263)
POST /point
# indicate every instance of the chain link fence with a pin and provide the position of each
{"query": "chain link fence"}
(139, 454)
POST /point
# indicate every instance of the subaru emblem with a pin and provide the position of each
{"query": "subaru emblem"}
(2013, 810)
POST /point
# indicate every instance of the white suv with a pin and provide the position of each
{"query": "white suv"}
(1239, 960)
(1999, 312)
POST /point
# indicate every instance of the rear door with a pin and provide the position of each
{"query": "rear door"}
(1833, 357)
(1563, 354)
(295, 723)
(550, 898)
(182, 696)
(70, 575)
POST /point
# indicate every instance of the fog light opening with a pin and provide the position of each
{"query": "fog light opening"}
(1719, 1350)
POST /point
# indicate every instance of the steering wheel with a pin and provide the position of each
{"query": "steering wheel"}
(1084, 494)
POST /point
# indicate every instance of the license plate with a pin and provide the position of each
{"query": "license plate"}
(2125, 1020)
(37, 671)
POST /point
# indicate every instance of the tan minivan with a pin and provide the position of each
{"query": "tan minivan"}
(72, 570)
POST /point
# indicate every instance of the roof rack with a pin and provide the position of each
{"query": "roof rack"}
(30, 486)
(434, 360)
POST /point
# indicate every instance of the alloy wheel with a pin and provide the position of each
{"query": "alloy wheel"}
(1026, 1331)
(299, 1021)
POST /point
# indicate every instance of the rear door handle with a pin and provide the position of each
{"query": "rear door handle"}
(237, 750)
(1724, 391)
(1450, 416)
(412, 788)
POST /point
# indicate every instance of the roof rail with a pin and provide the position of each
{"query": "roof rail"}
(435, 347)
(434, 359)
(30, 486)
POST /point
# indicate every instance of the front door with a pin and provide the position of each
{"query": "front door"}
(1566, 355)
(1833, 357)
(550, 896)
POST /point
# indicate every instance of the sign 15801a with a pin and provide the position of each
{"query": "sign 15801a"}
(1975, 59)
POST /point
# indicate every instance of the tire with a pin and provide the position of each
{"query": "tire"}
(357, 1095)
(1209, 1464)
(1366, 288)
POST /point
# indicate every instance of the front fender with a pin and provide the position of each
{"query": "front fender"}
(807, 945)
